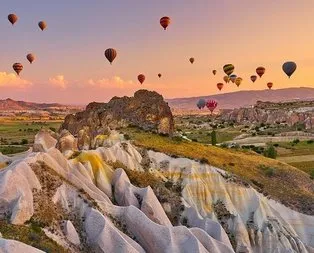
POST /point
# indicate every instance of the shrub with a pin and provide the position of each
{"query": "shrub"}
(204, 161)
(270, 172)
(270, 152)
(24, 142)
(276, 145)
(195, 140)
(312, 174)
(177, 138)
(224, 145)
(253, 134)
(296, 141)
(214, 138)
(127, 137)
(310, 141)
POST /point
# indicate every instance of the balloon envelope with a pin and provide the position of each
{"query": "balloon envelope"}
(253, 78)
(270, 85)
(214, 71)
(220, 86)
(233, 78)
(30, 58)
(192, 60)
(211, 105)
(260, 71)
(238, 81)
(228, 69)
(141, 78)
(289, 68)
(226, 79)
(18, 67)
(159, 75)
(201, 103)
(165, 22)
(12, 18)
(42, 25)
(110, 54)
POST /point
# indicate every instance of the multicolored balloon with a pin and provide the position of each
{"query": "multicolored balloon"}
(253, 78)
(165, 22)
(233, 78)
(30, 58)
(192, 60)
(260, 71)
(201, 103)
(110, 54)
(141, 78)
(42, 25)
(270, 85)
(12, 18)
(18, 67)
(214, 72)
(220, 86)
(238, 81)
(211, 105)
(289, 68)
(228, 69)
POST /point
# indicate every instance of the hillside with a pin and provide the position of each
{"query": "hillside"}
(242, 98)
(12, 105)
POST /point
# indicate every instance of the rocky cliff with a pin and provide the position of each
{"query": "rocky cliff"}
(290, 113)
(147, 110)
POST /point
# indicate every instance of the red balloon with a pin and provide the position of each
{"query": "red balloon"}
(220, 86)
(270, 85)
(260, 71)
(164, 22)
(141, 78)
(211, 105)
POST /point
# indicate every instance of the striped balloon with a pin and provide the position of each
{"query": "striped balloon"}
(141, 78)
(211, 105)
(12, 18)
(228, 69)
(110, 54)
(260, 71)
(30, 58)
(164, 22)
(233, 78)
(42, 25)
(18, 67)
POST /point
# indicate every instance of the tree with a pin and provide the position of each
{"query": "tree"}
(270, 152)
(214, 138)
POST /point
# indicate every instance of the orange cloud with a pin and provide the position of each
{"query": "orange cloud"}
(114, 82)
(12, 80)
(59, 81)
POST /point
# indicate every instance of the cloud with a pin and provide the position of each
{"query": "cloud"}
(12, 80)
(114, 82)
(59, 81)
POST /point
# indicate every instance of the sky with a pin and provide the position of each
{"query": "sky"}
(71, 68)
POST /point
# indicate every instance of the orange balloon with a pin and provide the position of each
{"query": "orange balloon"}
(42, 25)
(12, 18)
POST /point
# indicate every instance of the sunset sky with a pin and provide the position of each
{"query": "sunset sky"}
(71, 67)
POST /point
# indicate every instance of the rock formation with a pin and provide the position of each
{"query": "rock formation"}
(290, 113)
(94, 207)
(147, 109)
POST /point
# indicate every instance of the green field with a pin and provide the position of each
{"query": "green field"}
(18, 136)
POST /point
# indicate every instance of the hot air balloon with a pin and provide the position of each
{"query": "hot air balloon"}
(238, 81)
(141, 78)
(260, 71)
(226, 79)
(233, 78)
(211, 105)
(159, 75)
(192, 60)
(12, 18)
(30, 58)
(201, 103)
(214, 72)
(269, 85)
(289, 68)
(228, 69)
(220, 86)
(253, 78)
(42, 25)
(164, 22)
(18, 67)
(110, 54)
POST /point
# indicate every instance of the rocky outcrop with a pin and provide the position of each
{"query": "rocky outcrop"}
(147, 110)
(274, 113)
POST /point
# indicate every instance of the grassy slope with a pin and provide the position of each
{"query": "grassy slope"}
(288, 185)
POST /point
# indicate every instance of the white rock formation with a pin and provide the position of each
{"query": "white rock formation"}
(11, 246)
(70, 233)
